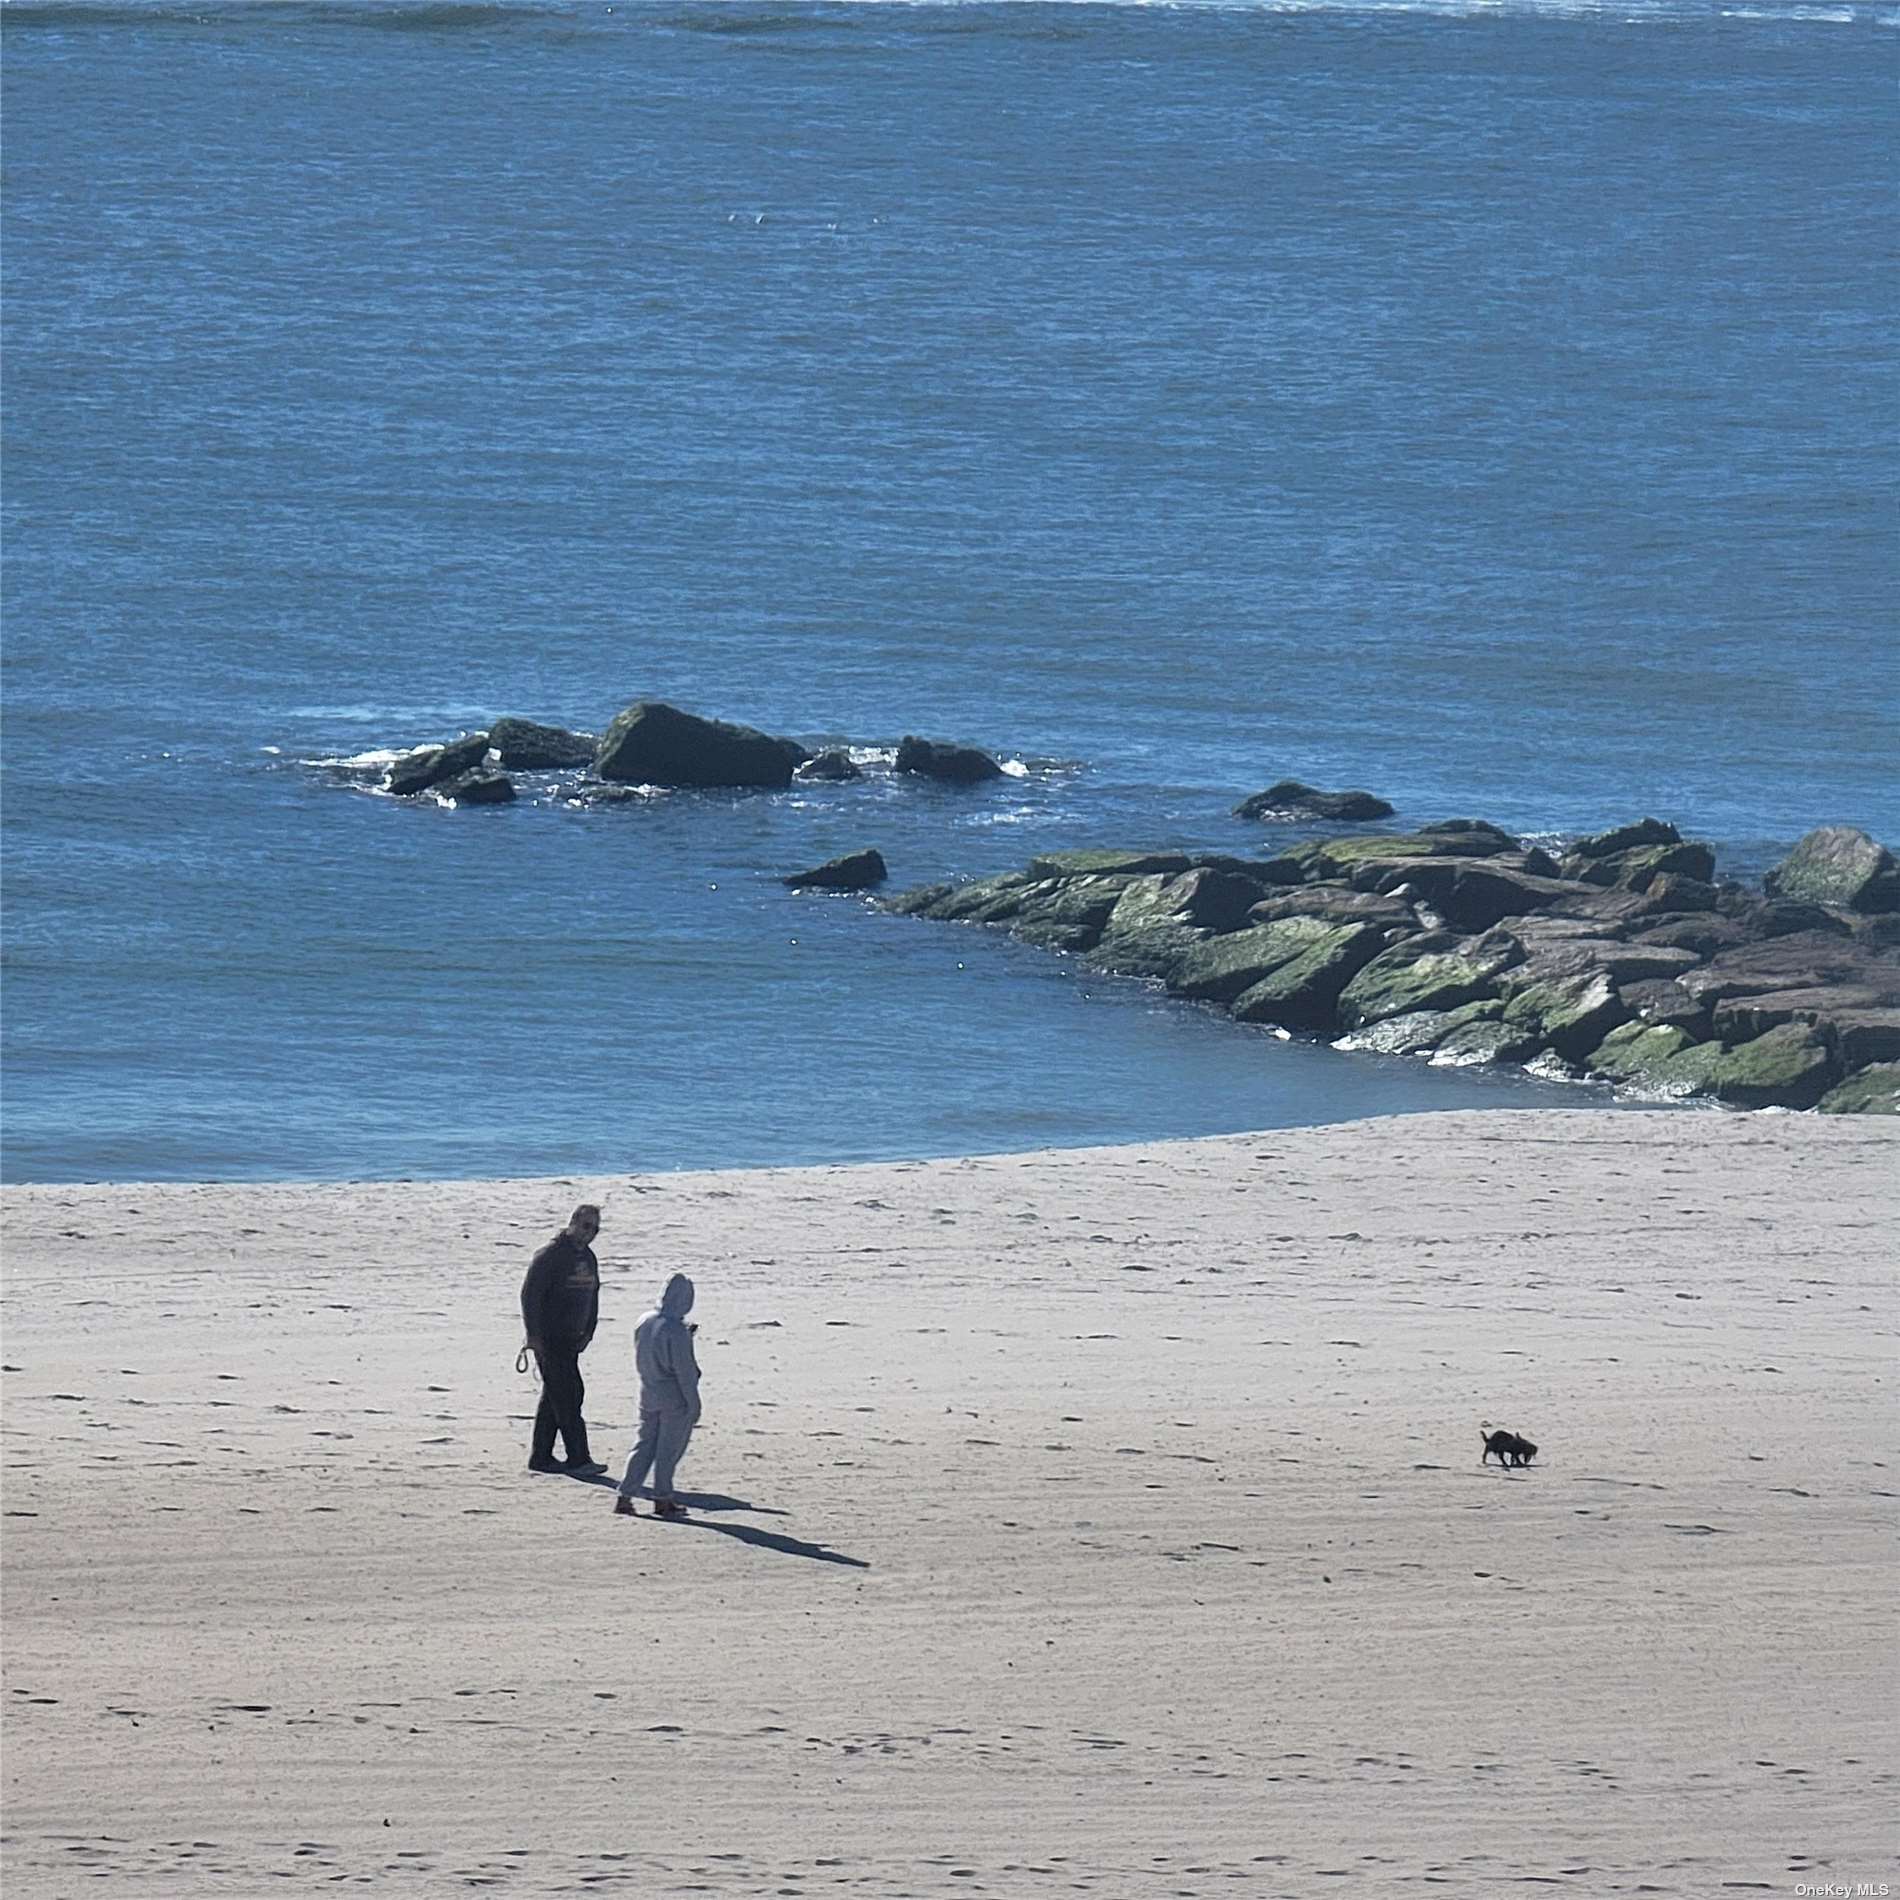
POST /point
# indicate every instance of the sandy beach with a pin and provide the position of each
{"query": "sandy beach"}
(1101, 1521)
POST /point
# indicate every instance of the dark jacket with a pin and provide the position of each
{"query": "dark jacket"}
(560, 1298)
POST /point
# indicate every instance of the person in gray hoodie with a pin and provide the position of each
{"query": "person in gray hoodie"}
(669, 1399)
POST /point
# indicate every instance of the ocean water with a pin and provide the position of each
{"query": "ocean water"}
(1488, 404)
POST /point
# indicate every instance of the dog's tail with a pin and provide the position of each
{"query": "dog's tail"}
(1485, 1428)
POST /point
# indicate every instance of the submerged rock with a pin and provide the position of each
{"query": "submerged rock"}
(856, 871)
(520, 745)
(1839, 865)
(1289, 799)
(652, 743)
(483, 788)
(947, 764)
(830, 768)
(430, 765)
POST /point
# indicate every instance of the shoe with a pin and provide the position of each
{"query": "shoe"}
(545, 1464)
(669, 1507)
(623, 1507)
(583, 1468)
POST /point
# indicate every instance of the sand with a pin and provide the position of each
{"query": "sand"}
(1101, 1521)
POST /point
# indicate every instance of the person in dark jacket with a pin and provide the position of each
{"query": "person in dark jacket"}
(560, 1307)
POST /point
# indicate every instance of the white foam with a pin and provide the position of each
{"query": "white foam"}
(356, 761)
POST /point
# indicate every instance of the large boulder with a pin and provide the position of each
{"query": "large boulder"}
(1338, 860)
(1803, 960)
(1219, 969)
(652, 743)
(1789, 1067)
(1637, 868)
(1157, 920)
(1568, 1015)
(520, 745)
(1475, 1044)
(1410, 977)
(830, 768)
(1468, 893)
(1662, 1002)
(1067, 913)
(1303, 992)
(856, 871)
(1608, 844)
(1335, 904)
(1838, 865)
(1419, 1031)
(947, 764)
(1290, 800)
(1109, 863)
(1635, 1053)
(988, 900)
(1295, 965)
(430, 765)
(1624, 963)
(1874, 1091)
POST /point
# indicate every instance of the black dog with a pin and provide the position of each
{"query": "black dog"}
(1510, 1449)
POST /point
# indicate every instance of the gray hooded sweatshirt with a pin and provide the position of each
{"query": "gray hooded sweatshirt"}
(663, 1353)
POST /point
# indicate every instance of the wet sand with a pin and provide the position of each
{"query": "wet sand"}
(1101, 1521)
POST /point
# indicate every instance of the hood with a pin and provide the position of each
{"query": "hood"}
(677, 1301)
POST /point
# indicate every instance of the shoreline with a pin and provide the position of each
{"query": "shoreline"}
(1571, 1100)
(1104, 1516)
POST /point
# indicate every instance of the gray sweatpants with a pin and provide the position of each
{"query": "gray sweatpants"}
(664, 1431)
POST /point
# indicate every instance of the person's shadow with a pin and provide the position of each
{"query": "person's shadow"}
(772, 1540)
(745, 1533)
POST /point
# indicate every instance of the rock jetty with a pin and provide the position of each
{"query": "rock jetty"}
(1624, 960)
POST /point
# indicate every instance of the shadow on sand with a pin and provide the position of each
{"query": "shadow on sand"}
(693, 1500)
(745, 1533)
(774, 1540)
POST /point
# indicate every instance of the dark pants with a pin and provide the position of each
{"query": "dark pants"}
(560, 1411)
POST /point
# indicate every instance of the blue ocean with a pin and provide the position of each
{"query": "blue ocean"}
(1490, 404)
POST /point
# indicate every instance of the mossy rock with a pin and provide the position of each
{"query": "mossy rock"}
(921, 902)
(1067, 913)
(1399, 981)
(1303, 993)
(1420, 1032)
(1568, 1014)
(1108, 863)
(1337, 858)
(1475, 1044)
(1221, 968)
(1789, 1067)
(989, 900)
(1634, 1053)
(1874, 1091)
(1839, 865)
(1607, 844)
